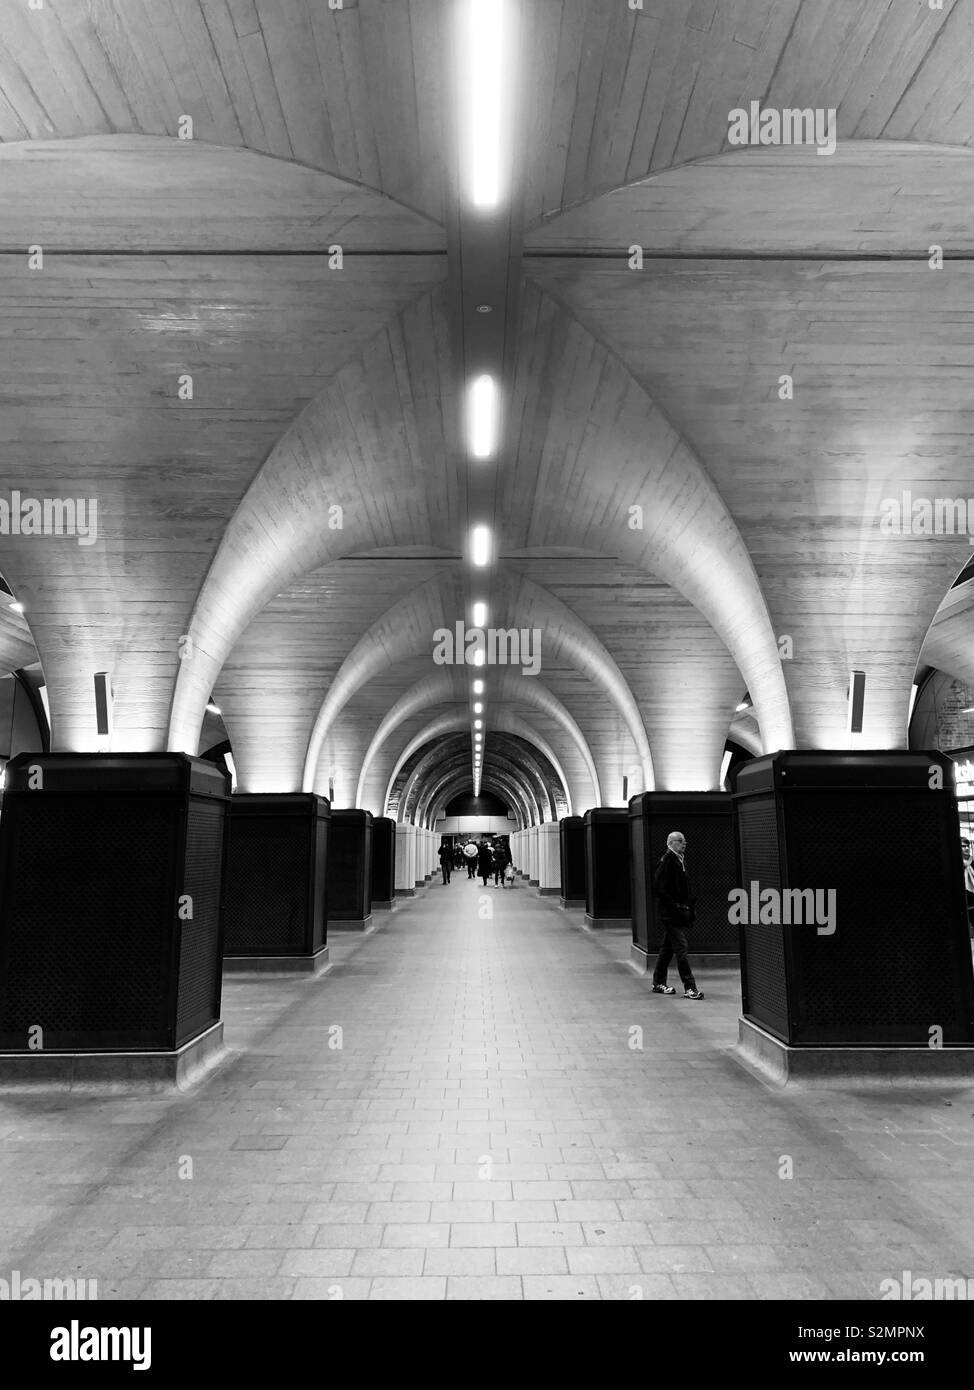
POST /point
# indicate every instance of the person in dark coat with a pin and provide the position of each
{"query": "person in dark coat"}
(446, 860)
(671, 884)
(470, 855)
(485, 861)
(502, 857)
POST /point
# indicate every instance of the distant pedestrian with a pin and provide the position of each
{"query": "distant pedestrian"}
(485, 861)
(446, 860)
(470, 854)
(672, 886)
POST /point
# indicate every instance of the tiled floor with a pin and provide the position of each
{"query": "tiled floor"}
(492, 1125)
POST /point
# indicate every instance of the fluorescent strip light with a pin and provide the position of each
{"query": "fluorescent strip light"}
(478, 708)
(482, 77)
(480, 545)
(478, 723)
(478, 658)
(482, 419)
(480, 615)
(478, 687)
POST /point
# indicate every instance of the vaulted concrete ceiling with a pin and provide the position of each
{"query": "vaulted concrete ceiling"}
(291, 535)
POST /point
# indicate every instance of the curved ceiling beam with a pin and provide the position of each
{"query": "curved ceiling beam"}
(451, 684)
(405, 631)
(434, 765)
(453, 720)
(515, 777)
(883, 197)
(563, 635)
(325, 491)
(744, 730)
(599, 447)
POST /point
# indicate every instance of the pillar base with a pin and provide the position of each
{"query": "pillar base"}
(316, 964)
(549, 892)
(573, 904)
(405, 892)
(534, 883)
(384, 906)
(780, 1064)
(179, 1069)
(360, 924)
(608, 923)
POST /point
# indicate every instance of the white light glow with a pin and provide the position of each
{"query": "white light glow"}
(480, 615)
(478, 687)
(228, 759)
(745, 704)
(480, 545)
(482, 418)
(42, 692)
(482, 93)
(725, 768)
(478, 708)
(478, 658)
(212, 708)
(478, 723)
(16, 607)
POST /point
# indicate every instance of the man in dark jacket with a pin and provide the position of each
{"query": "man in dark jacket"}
(446, 860)
(675, 900)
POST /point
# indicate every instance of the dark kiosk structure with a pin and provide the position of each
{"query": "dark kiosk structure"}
(350, 870)
(706, 819)
(608, 892)
(110, 928)
(572, 846)
(842, 950)
(383, 864)
(275, 887)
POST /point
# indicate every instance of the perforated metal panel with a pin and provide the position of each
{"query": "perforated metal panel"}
(266, 896)
(870, 844)
(572, 847)
(608, 889)
(92, 949)
(764, 980)
(200, 954)
(88, 909)
(350, 866)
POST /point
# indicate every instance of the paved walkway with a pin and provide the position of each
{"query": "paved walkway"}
(489, 1128)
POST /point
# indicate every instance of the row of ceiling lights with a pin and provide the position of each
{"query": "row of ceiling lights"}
(485, 59)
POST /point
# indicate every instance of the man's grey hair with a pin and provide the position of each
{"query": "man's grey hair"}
(674, 835)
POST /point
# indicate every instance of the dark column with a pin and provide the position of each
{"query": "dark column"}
(274, 915)
(707, 822)
(383, 863)
(110, 924)
(572, 830)
(608, 892)
(853, 917)
(350, 870)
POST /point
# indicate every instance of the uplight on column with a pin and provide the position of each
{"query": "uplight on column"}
(482, 417)
(484, 40)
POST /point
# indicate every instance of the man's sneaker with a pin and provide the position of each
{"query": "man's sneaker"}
(663, 989)
(693, 994)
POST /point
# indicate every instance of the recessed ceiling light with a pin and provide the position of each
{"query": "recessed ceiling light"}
(483, 98)
(480, 545)
(478, 708)
(483, 417)
(478, 723)
(478, 687)
(480, 615)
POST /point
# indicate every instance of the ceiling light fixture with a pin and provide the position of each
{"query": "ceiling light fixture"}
(482, 80)
(478, 708)
(483, 417)
(16, 607)
(480, 545)
(478, 723)
(480, 615)
(478, 687)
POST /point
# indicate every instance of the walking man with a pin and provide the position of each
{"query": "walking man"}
(470, 854)
(672, 886)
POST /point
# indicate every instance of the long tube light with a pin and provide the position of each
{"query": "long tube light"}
(482, 417)
(480, 546)
(484, 41)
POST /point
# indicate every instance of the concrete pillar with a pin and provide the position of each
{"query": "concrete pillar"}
(405, 860)
(572, 861)
(549, 859)
(420, 857)
(533, 855)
